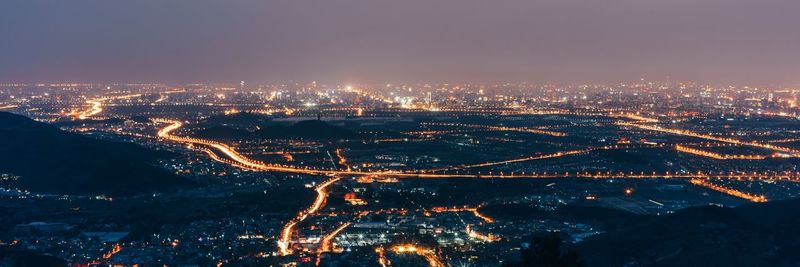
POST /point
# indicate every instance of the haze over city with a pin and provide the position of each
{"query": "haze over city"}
(715, 41)
(440, 133)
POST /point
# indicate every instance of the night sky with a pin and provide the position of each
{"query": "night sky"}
(754, 42)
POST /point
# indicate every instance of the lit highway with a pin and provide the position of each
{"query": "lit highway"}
(497, 128)
(719, 156)
(483, 237)
(96, 106)
(234, 158)
(793, 152)
(429, 255)
(382, 260)
(404, 133)
(284, 244)
(237, 159)
(326, 243)
(729, 191)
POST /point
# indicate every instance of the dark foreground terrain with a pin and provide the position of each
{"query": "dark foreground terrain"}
(49, 160)
(751, 235)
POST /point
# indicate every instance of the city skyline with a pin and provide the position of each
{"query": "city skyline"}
(309, 174)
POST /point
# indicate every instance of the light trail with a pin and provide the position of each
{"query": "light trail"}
(214, 156)
(160, 98)
(500, 128)
(714, 155)
(114, 250)
(326, 245)
(632, 116)
(787, 140)
(428, 254)
(286, 234)
(481, 216)
(729, 191)
(710, 137)
(287, 156)
(243, 161)
(546, 156)
(284, 243)
(163, 96)
(430, 133)
(382, 260)
(342, 159)
(96, 105)
(229, 152)
(487, 238)
(538, 157)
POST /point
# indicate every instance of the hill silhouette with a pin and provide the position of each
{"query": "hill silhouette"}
(607, 218)
(304, 129)
(223, 132)
(754, 235)
(238, 120)
(53, 161)
(89, 122)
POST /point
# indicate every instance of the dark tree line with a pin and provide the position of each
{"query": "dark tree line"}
(547, 250)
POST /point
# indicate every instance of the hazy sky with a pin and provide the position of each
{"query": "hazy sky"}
(744, 41)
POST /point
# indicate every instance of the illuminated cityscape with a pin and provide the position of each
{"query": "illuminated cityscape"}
(444, 134)
(432, 174)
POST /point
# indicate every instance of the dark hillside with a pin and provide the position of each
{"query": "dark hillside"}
(53, 161)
